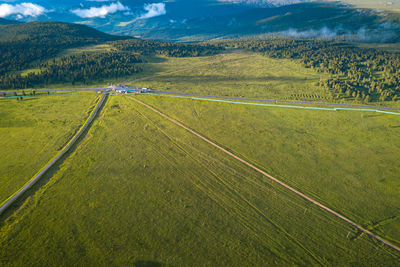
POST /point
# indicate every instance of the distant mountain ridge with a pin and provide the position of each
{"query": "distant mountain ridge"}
(58, 32)
(25, 43)
(7, 22)
(314, 20)
(201, 20)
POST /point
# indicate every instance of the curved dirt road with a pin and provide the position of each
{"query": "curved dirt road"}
(36, 178)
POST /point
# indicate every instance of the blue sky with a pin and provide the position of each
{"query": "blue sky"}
(87, 9)
(80, 8)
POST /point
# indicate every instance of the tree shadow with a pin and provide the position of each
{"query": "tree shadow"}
(156, 59)
(372, 116)
(238, 78)
(28, 98)
(142, 263)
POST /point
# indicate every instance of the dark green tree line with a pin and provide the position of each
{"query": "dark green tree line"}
(168, 49)
(83, 68)
(362, 73)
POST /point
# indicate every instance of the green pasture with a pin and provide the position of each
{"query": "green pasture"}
(33, 130)
(390, 5)
(100, 48)
(139, 190)
(239, 74)
(347, 160)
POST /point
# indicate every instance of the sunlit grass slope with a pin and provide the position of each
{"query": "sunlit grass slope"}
(348, 160)
(33, 130)
(140, 190)
(239, 74)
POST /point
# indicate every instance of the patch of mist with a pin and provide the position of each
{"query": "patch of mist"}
(382, 33)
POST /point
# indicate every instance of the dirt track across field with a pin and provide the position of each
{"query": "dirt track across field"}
(359, 227)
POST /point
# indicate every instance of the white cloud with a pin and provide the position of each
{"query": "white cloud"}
(153, 10)
(21, 10)
(101, 12)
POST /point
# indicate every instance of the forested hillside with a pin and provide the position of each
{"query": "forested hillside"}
(37, 45)
(22, 44)
(363, 74)
(360, 73)
(76, 69)
(167, 48)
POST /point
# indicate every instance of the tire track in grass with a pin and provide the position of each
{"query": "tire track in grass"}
(236, 197)
(359, 227)
(273, 190)
(221, 198)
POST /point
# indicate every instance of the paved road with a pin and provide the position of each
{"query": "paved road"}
(276, 101)
(359, 227)
(36, 178)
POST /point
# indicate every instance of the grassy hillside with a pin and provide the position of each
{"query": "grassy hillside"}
(33, 130)
(47, 53)
(141, 191)
(240, 74)
(385, 5)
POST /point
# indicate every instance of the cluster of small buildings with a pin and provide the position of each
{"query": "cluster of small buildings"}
(126, 90)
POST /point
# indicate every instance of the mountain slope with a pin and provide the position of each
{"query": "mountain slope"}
(53, 31)
(7, 22)
(22, 44)
(334, 19)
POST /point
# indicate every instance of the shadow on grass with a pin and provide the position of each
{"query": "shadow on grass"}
(372, 116)
(230, 78)
(28, 98)
(7, 216)
(142, 263)
(156, 59)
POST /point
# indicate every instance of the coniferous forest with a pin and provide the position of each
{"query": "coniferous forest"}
(40, 49)
(364, 73)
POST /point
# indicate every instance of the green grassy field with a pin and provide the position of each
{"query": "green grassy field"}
(348, 160)
(101, 48)
(33, 130)
(140, 190)
(391, 5)
(232, 74)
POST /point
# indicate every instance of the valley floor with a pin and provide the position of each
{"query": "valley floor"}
(139, 190)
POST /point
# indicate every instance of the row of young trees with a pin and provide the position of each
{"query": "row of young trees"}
(168, 49)
(363, 73)
(83, 68)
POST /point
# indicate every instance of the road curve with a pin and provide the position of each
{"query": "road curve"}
(19, 193)
(359, 227)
